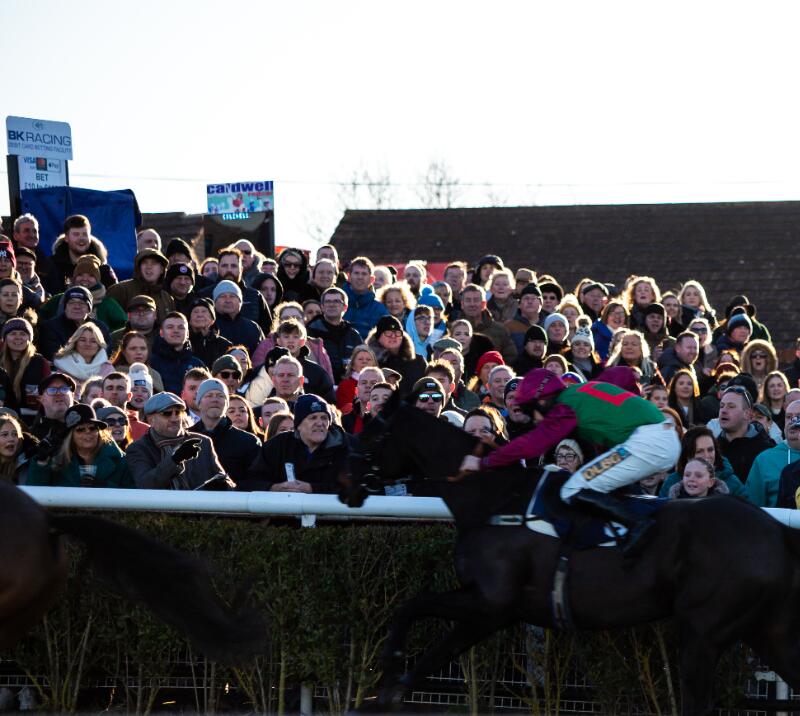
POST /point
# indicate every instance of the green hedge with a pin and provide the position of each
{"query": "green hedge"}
(327, 594)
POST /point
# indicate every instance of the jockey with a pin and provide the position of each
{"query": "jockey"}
(635, 433)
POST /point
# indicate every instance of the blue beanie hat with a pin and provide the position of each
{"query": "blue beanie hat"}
(738, 319)
(429, 298)
(553, 317)
(307, 404)
(211, 384)
(227, 287)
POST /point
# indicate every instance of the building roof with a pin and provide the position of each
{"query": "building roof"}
(731, 248)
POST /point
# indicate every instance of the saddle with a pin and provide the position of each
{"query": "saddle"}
(547, 514)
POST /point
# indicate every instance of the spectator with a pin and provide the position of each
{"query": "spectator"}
(291, 334)
(8, 272)
(353, 416)
(473, 307)
(26, 235)
(398, 300)
(455, 274)
(738, 329)
(557, 328)
(552, 293)
(207, 343)
(252, 305)
(17, 448)
(657, 394)
(760, 331)
(419, 325)
(383, 277)
(172, 353)
(57, 393)
(479, 384)
(464, 398)
(684, 397)
(142, 385)
(339, 336)
(241, 415)
(534, 348)
(148, 239)
(77, 241)
(73, 313)
(228, 370)
(572, 311)
(523, 277)
(25, 368)
(288, 379)
(118, 423)
(312, 308)
(683, 355)
(486, 424)
(231, 321)
(484, 270)
(502, 305)
(178, 251)
(209, 269)
(134, 348)
(773, 393)
(759, 359)
(90, 390)
(444, 373)
(517, 421)
(236, 448)
(179, 282)
(792, 371)
(741, 439)
(496, 384)
(169, 457)
(393, 349)
(149, 267)
(363, 311)
(698, 481)
(655, 325)
(250, 260)
(700, 442)
(117, 391)
(191, 382)
(694, 304)
(323, 276)
(445, 294)
(271, 406)
(141, 318)
(763, 416)
(84, 354)
(262, 384)
(378, 397)
(86, 457)
(270, 289)
(427, 395)
(557, 364)
(763, 480)
(415, 275)
(279, 423)
(582, 355)
(568, 455)
(674, 315)
(26, 270)
(528, 314)
(642, 292)
(293, 274)
(308, 459)
(593, 297)
(240, 353)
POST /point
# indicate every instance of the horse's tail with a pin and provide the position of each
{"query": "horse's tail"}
(176, 587)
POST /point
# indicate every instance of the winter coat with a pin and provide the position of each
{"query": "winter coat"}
(123, 292)
(107, 310)
(464, 398)
(240, 330)
(724, 475)
(498, 334)
(517, 327)
(792, 373)
(315, 345)
(676, 492)
(320, 468)
(315, 379)
(209, 347)
(478, 345)
(25, 452)
(64, 267)
(260, 387)
(505, 312)
(172, 365)
(151, 471)
(765, 474)
(410, 366)
(27, 404)
(339, 341)
(235, 448)
(743, 451)
(346, 392)
(112, 470)
(55, 333)
(669, 363)
(253, 307)
(363, 310)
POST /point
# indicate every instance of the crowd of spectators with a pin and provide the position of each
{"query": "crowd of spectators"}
(252, 372)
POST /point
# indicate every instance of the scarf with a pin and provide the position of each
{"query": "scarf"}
(75, 365)
(168, 446)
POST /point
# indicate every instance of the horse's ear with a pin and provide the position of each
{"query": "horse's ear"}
(392, 404)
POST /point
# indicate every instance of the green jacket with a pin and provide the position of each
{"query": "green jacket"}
(112, 471)
(765, 474)
(733, 483)
(108, 311)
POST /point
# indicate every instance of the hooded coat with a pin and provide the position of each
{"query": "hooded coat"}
(64, 266)
(297, 288)
(725, 475)
(765, 474)
(172, 365)
(410, 366)
(339, 342)
(363, 310)
(123, 292)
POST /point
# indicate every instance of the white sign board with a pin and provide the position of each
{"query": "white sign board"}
(38, 138)
(240, 197)
(40, 172)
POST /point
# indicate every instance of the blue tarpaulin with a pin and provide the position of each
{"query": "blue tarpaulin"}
(114, 216)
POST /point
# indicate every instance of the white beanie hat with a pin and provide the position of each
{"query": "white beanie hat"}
(584, 335)
(140, 376)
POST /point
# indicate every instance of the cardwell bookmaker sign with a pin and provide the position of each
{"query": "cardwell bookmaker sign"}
(240, 198)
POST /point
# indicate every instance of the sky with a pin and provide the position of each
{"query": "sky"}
(524, 102)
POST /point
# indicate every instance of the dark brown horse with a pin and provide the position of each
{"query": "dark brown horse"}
(723, 569)
(175, 586)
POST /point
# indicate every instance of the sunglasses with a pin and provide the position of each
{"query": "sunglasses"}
(114, 422)
(86, 429)
(758, 355)
(699, 329)
(58, 390)
(292, 264)
(435, 397)
(230, 374)
(739, 390)
(172, 412)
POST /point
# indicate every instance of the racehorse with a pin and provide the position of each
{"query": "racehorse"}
(174, 586)
(722, 568)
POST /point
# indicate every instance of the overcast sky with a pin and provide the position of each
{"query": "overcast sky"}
(527, 103)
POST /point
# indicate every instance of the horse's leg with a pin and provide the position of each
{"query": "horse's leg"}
(698, 662)
(463, 636)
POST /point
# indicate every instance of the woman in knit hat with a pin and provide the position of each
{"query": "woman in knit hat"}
(84, 356)
(655, 325)
(556, 326)
(25, 368)
(479, 383)
(393, 348)
(582, 355)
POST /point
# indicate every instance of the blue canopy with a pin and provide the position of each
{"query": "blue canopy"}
(114, 216)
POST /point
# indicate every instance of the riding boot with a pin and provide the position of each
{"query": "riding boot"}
(639, 527)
